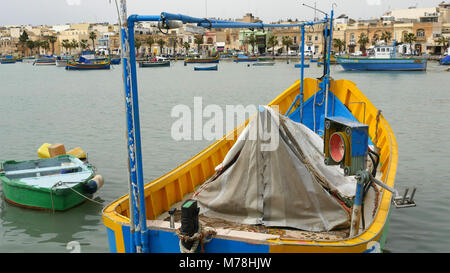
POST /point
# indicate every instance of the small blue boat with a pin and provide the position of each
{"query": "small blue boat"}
(8, 60)
(445, 61)
(208, 68)
(115, 60)
(300, 65)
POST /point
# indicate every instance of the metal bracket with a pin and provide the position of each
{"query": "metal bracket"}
(405, 201)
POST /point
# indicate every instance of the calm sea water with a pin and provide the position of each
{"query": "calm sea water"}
(40, 104)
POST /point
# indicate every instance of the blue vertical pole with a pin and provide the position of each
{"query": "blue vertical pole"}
(302, 72)
(135, 240)
(137, 136)
(327, 82)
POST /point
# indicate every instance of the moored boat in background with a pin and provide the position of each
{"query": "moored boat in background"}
(85, 64)
(206, 68)
(202, 60)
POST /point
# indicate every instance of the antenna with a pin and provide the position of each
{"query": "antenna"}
(315, 9)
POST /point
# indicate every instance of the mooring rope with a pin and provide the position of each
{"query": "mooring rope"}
(60, 183)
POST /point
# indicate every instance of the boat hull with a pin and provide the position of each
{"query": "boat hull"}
(154, 64)
(202, 61)
(162, 193)
(383, 64)
(243, 60)
(26, 189)
(264, 63)
(211, 68)
(87, 66)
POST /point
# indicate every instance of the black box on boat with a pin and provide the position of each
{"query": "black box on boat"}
(346, 144)
(189, 220)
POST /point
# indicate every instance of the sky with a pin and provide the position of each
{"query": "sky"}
(52, 12)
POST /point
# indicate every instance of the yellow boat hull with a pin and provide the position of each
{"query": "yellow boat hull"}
(169, 189)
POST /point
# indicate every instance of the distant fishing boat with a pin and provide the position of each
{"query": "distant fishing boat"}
(244, 58)
(7, 60)
(202, 60)
(259, 63)
(313, 60)
(29, 59)
(300, 65)
(85, 64)
(208, 68)
(115, 60)
(57, 183)
(159, 63)
(383, 60)
(333, 60)
(45, 60)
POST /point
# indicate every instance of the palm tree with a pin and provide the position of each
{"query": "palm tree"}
(444, 41)
(198, 40)
(31, 45)
(410, 38)
(161, 44)
(287, 42)
(137, 44)
(386, 36)
(84, 44)
(338, 43)
(186, 46)
(65, 44)
(93, 36)
(150, 41)
(45, 45)
(74, 44)
(363, 41)
(272, 42)
(252, 41)
(52, 40)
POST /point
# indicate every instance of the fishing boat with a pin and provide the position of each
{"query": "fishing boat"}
(445, 61)
(244, 58)
(44, 61)
(155, 63)
(206, 68)
(57, 183)
(313, 60)
(300, 65)
(115, 60)
(333, 60)
(264, 63)
(61, 62)
(328, 131)
(383, 59)
(7, 60)
(29, 59)
(85, 64)
(202, 60)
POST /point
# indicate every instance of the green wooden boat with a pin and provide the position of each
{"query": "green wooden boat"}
(58, 183)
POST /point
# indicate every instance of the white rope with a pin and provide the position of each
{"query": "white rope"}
(60, 183)
(200, 237)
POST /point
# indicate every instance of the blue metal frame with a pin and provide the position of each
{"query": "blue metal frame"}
(139, 239)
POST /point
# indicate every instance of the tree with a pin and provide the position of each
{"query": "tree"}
(92, 37)
(150, 41)
(45, 45)
(186, 46)
(338, 43)
(386, 36)
(74, 44)
(137, 44)
(444, 41)
(410, 38)
(252, 41)
(52, 40)
(363, 41)
(287, 42)
(31, 45)
(161, 44)
(272, 42)
(198, 40)
(23, 38)
(65, 44)
(84, 44)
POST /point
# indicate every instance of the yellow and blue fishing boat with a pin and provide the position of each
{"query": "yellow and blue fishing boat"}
(86, 64)
(342, 129)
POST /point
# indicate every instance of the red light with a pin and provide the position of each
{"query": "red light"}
(337, 147)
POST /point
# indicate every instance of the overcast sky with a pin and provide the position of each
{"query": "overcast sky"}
(50, 12)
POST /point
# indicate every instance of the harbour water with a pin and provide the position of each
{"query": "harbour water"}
(48, 104)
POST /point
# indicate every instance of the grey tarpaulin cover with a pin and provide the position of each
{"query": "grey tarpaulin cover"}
(278, 179)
